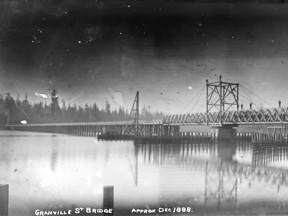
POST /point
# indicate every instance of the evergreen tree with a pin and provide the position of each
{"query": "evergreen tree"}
(14, 111)
(2, 104)
(26, 98)
(54, 103)
(107, 107)
(10, 108)
(96, 113)
(63, 105)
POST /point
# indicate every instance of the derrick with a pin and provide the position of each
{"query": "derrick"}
(133, 128)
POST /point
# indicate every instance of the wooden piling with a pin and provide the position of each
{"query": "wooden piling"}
(108, 198)
(4, 199)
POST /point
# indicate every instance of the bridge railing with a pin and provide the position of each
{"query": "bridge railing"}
(271, 115)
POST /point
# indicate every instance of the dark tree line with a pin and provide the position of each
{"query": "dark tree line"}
(16, 111)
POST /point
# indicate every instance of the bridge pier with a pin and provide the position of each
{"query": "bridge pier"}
(171, 130)
(225, 131)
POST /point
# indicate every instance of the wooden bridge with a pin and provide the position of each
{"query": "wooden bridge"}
(220, 96)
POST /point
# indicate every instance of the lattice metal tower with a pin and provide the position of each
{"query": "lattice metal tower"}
(221, 96)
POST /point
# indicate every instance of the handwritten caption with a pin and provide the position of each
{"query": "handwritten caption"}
(74, 211)
(162, 210)
(88, 210)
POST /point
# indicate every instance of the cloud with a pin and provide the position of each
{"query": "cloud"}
(45, 96)
(117, 96)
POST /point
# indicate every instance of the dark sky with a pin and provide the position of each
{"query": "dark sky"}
(92, 50)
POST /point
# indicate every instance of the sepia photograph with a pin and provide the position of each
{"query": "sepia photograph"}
(143, 107)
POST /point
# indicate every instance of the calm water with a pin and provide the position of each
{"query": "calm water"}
(46, 171)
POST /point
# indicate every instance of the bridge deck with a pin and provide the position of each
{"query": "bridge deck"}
(238, 117)
(112, 123)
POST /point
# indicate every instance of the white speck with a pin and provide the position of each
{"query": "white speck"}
(128, 6)
(190, 88)
(23, 122)
(272, 41)
(120, 33)
(233, 37)
(79, 41)
(90, 39)
(35, 40)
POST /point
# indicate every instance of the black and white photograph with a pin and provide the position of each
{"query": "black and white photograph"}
(143, 107)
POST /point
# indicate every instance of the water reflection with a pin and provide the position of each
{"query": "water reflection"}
(268, 154)
(226, 175)
(133, 164)
(54, 156)
(209, 176)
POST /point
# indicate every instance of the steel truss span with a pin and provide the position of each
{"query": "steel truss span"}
(272, 115)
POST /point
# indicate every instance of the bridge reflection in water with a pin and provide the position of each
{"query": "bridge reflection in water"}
(231, 177)
(219, 175)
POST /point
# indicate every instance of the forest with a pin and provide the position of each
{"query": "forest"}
(17, 111)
